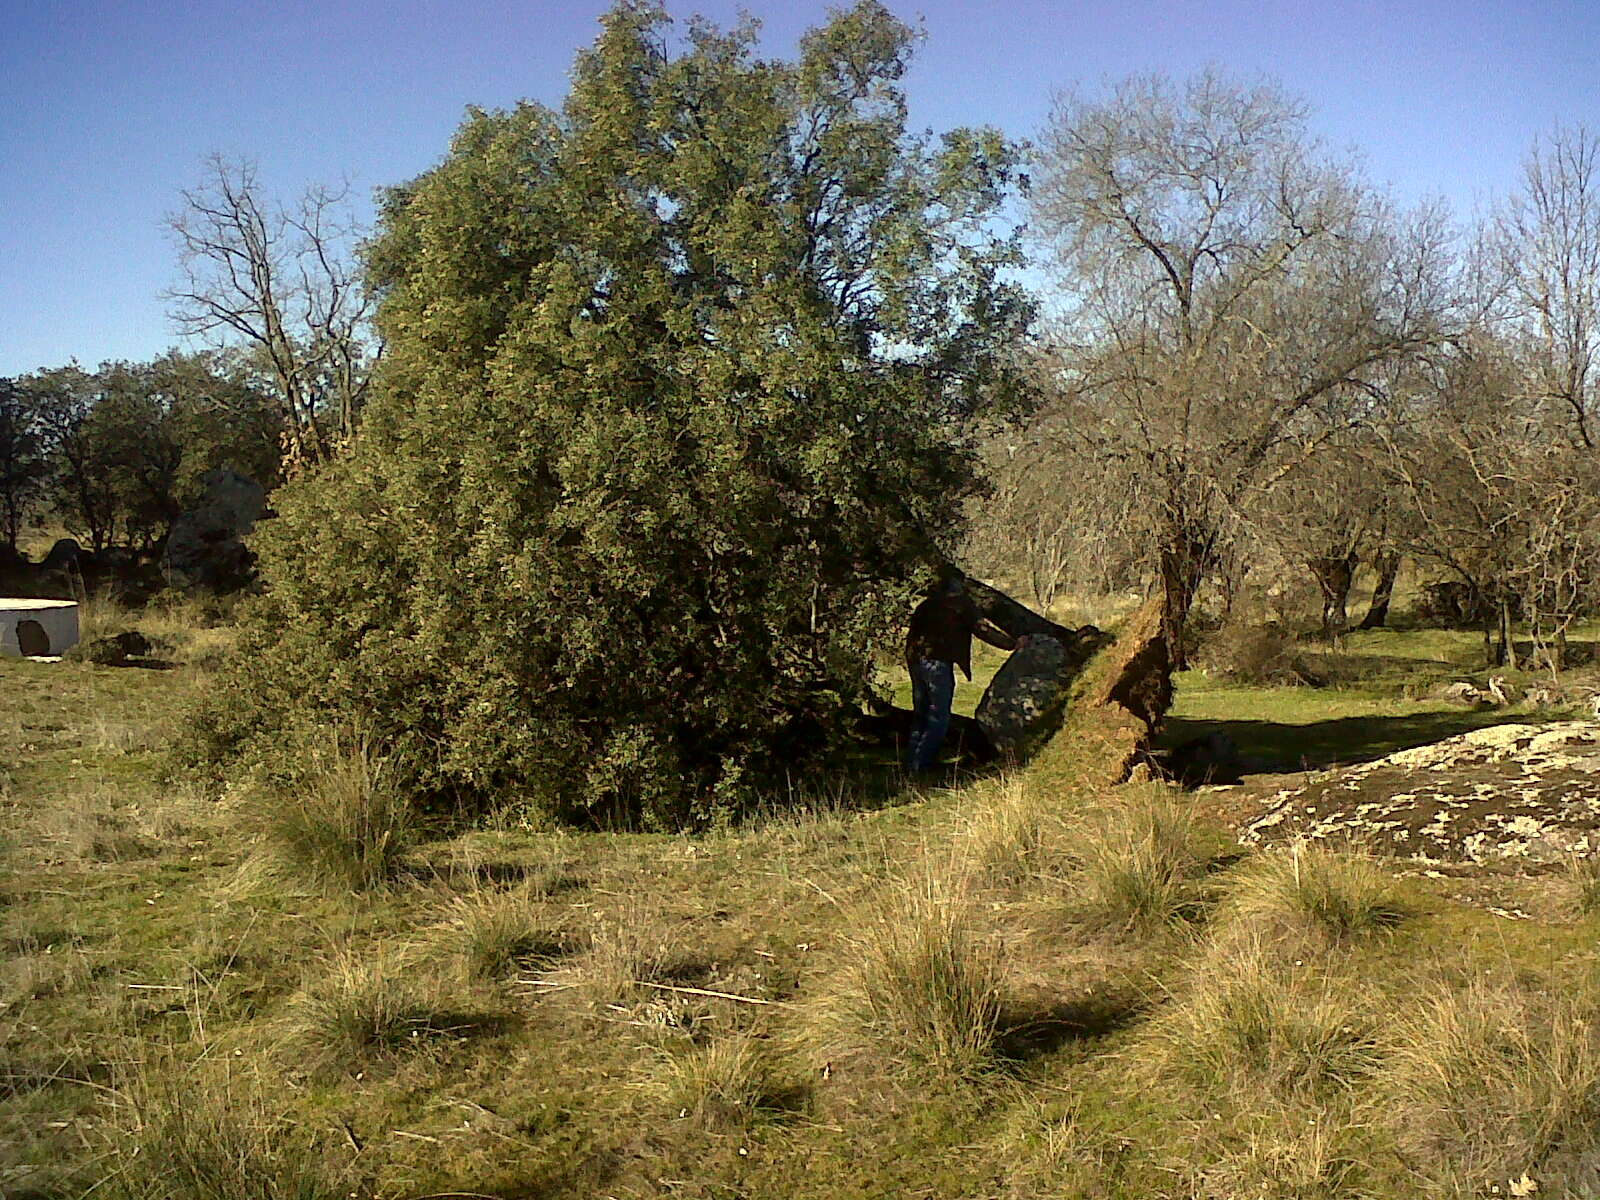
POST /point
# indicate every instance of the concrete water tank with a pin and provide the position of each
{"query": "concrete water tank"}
(38, 627)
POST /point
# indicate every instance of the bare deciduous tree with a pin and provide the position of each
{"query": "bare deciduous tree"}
(1232, 291)
(283, 282)
(1548, 239)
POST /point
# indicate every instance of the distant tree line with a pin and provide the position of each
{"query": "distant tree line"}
(113, 456)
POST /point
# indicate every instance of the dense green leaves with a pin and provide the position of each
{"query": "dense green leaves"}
(676, 399)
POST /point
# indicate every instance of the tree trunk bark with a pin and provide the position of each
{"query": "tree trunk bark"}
(1388, 568)
(1015, 618)
(1184, 562)
(1334, 575)
(1508, 646)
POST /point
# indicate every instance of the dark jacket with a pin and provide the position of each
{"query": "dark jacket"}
(943, 626)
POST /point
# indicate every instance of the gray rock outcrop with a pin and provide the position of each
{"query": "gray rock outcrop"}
(1029, 692)
(1023, 691)
(1504, 793)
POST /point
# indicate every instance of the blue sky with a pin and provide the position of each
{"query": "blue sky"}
(106, 108)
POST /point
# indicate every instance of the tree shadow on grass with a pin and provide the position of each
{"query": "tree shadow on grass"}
(1028, 1032)
(1270, 747)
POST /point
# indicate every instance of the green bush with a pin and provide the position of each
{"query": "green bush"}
(676, 400)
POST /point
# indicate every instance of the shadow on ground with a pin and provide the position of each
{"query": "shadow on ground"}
(1270, 747)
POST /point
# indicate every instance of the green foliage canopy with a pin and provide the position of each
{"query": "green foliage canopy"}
(118, 453)
(677, 395)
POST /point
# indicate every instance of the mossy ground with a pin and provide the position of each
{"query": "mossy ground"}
(142, 940)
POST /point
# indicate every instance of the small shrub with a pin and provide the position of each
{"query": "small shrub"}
(1489, 1081)
(347, 828)
(1140, 864)
(1242, 1018)
(1312, 889)
(917, 990)
(1260, 654)
(724, 1083)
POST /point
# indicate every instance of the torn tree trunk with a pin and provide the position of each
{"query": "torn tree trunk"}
(1014, 617)
(1120, 701)
(1388, 567)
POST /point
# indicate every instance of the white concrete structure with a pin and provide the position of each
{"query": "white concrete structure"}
(56, 621)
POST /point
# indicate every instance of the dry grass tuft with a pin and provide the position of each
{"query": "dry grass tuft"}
(917, 990)
(199, 1135)
(1303, 889)
(722, 1084)
(1490, 1081)
(1284, 1152)
(1009, 836)
(632, 948)
(1244, 1020)
(1582, 876)
(347, 829)
(84, 826)
(360, 1010)
(498, 934)
(35, 972)
(1141, 863)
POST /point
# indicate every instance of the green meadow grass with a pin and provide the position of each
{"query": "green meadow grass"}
(997, 987)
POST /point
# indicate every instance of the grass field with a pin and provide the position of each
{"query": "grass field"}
(995, 988)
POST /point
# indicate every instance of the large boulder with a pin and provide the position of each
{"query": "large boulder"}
(1027, 695)
(65, 555)
(1023, 692)
(206, 547)
(1507, 792)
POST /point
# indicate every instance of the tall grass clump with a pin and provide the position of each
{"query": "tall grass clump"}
(1242, 1020)
(624, 951)
(359, 1010)
(1304, 889)
(1009, 835)
(1140, 864)
(917, 989)
(1489, 1082)
(347, 826)
(188, 1135)
(724, 1083)
(1583, 878)
(499, 933)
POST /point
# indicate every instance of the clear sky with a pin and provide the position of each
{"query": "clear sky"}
(108, 106)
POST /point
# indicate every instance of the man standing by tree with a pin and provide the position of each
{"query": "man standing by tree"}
(940, 639)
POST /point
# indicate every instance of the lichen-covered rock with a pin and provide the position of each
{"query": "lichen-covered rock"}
(1507, 792)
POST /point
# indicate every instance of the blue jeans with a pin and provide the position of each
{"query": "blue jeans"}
(933, 688)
